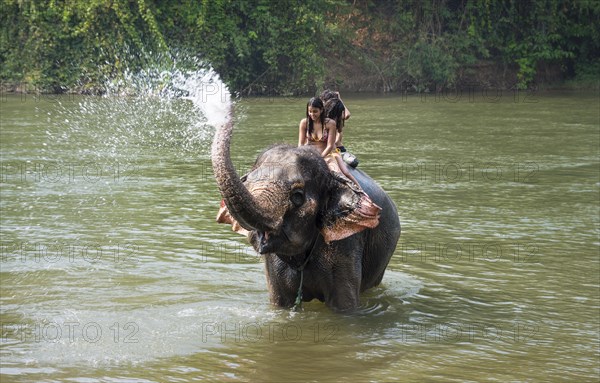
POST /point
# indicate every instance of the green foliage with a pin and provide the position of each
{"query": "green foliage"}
(261, 46)
(54, 45)
(295, 46)
(531, 33)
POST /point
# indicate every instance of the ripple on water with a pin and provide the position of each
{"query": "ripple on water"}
(178, 303)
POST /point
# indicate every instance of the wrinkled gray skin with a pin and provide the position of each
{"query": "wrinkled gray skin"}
(285, 201)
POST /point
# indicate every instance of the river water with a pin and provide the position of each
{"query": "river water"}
(113, 268)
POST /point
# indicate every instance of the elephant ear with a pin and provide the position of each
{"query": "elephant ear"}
(223, 216)
(348, 211)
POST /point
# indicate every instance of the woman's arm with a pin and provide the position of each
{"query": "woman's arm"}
(330, 125)
(302, 132)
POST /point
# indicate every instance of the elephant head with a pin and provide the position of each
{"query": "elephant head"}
(288, 199)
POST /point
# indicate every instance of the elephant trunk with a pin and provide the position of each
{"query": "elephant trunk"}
(241, 204)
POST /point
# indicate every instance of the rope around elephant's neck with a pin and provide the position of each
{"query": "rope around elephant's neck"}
(298, 303)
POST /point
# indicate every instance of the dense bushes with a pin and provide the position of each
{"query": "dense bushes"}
(295, 46)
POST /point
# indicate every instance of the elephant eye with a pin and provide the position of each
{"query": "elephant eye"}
(297, 197)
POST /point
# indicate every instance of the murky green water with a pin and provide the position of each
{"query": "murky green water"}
(113, 269)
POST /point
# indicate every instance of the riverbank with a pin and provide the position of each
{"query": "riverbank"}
(485, 75)
(355, 87)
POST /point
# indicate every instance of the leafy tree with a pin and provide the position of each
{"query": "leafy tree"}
(296, 46)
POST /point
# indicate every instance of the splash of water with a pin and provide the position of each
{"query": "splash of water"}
(174, 103)
(206, 91)
(177, 76)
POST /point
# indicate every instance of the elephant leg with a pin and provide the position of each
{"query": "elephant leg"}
(345, 290)
(279, 280)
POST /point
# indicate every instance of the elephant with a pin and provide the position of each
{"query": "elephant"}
(317, 236)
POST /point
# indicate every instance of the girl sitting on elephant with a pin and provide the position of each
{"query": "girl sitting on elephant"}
(338, 111)
(308, 134)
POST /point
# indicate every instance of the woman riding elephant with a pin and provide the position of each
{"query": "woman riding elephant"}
(337, 110)
(319, 236)
(321, 132)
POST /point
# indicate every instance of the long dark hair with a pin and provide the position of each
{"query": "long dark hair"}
(327, 95)
(335, 109)
(315, 102)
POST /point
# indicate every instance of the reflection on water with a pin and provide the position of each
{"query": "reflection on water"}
(111, 257)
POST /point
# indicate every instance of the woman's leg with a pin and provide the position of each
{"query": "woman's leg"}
(344, 170)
